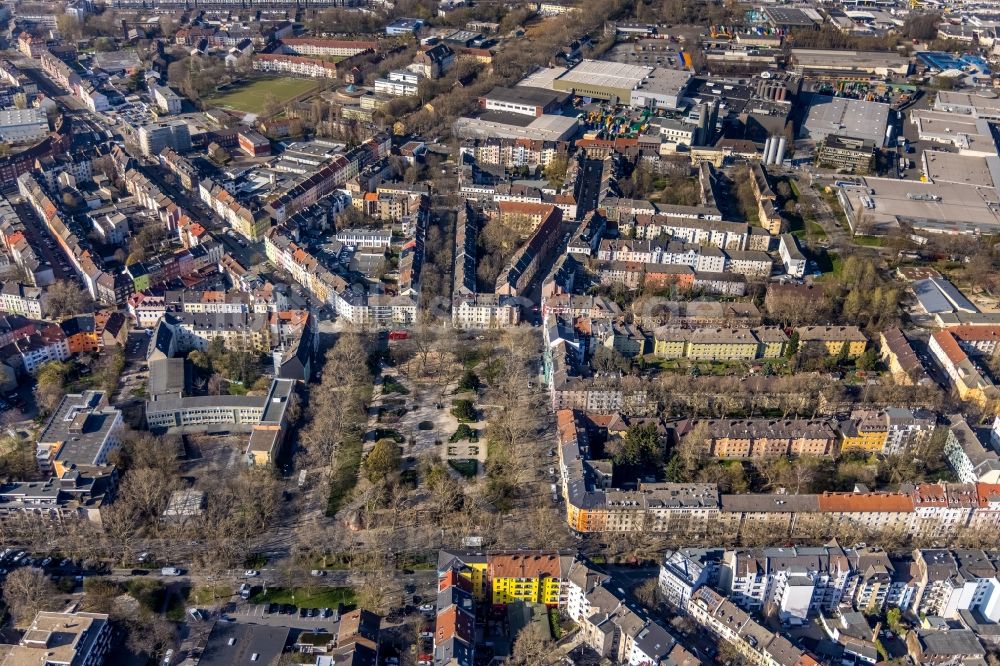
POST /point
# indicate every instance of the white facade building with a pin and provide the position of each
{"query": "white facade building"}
(23, 125)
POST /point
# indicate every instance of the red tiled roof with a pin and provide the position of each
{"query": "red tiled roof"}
(864, 502)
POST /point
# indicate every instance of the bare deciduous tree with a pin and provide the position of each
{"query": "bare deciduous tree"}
(26, 591)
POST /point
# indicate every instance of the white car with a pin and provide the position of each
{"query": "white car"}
(250, 573)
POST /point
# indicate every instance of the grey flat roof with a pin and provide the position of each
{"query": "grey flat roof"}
(506, 118)
(277, 401)
(524, 95)
(82, 412)
(192, 402)
(788, 16)
(607, 74)
(542, 78)
(930, 297)
(846, 117)
(939, 295)
(234, 643)
(829, 57)
(947, 99)
(665, 80)
(939, 207)
(967, 169)
(167, 375)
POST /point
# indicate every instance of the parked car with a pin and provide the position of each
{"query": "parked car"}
(317, 572)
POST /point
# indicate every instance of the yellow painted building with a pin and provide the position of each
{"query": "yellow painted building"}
(719, 344)
(773, 342)
(866, 431)
(503, 578)
(834, 338)
(540, 589)
(670, 343)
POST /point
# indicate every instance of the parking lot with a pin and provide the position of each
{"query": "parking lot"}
(259, 614)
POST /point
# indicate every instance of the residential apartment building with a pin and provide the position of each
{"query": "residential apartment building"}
(433, 62)
(799, 581)
(33, 350)
(834, 340)
(17, 298)
(908, 428)
(719, 344)
(172, 134)
(608, 624)
(81, 433)
(724, 235)
(310, 46)
(936, 511)
(685, 570)
(501, 578)
(866, 431)
(288, 64)
(485, 311)
(178, 332)
(251, 223)
(724, 284)
(523, 267)
(970, 455)
(181, 167)
(399, 83)
(951, 581)
(59, 71)
(167, 100)
(761, 438)
(898, 354)
(455, 621)
(757, 644)
(956, 350)
(95, 100)
(375, 238)
(77, 638)
(75, 495)
(791, 256)
(514, 153)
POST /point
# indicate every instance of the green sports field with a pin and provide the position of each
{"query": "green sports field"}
(250, 97)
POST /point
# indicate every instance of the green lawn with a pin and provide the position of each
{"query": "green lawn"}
(814, 230)
(321, 597)
(207, 595)
(869, 241)
(250, 97)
